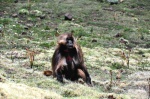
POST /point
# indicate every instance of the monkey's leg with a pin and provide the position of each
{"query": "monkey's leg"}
(87, 76)
(81, 74)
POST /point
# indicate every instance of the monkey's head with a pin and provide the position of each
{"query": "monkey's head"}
(66, 40)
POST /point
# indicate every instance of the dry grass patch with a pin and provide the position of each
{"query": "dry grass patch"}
(21, 91)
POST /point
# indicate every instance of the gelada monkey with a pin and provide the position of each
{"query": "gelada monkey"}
(67, 60)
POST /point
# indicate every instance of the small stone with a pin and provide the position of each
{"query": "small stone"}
(14, 15)
(24, 33)
(94, 40)
(68, 16)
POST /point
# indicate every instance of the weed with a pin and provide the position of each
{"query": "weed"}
(30, 54)
(69, 93)
(111, 78)
(116, 66)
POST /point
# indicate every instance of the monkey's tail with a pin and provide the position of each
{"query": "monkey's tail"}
(48, 73)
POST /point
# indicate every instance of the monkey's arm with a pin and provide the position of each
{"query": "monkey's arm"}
(60, 68)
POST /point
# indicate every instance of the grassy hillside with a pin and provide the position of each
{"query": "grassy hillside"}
(101, 29)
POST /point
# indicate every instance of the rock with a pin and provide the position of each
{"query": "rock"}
(26, 27)
(124, 41)
(24, 33)
(111, 97)
(42, 16)
(112, 2)
(68, 17)
(15, 1)
(94, 40)
(101, 1)
(118, 35)
(14, 15)
(29, 25)
(36, 13)
(108, 9)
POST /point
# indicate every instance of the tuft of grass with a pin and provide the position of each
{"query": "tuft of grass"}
(69, 93)
(47, 45)
(116, 66)
(30, 54)
(23, 11)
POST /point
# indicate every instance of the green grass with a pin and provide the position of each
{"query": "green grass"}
(92, 16)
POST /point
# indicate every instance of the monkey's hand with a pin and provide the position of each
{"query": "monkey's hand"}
(59, 78)
(88, 81)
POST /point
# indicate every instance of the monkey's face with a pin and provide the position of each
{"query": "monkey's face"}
(66, 41)
(69, 43)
